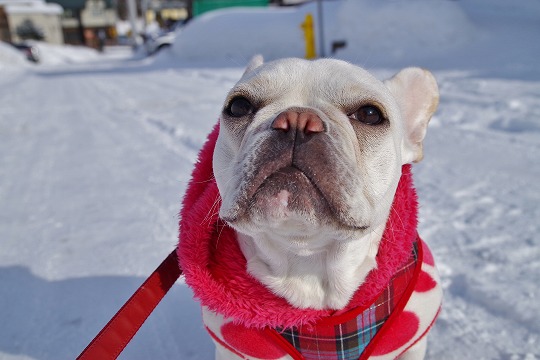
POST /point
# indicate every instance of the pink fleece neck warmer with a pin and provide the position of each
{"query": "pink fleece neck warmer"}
(215, 268)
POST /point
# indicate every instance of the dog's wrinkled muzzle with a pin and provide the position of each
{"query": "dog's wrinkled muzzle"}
(297, 172)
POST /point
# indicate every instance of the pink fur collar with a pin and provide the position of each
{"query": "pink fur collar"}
(215, 268)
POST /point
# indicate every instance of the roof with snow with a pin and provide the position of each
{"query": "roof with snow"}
(30, 7)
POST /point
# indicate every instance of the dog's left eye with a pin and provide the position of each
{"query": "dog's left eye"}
(368, 114)
(239, 107)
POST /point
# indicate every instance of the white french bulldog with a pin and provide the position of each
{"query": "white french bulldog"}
(307, 163)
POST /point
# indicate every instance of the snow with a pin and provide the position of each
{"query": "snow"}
(97, 150)
(11, 58)
(51, 54)
(31, 7)
(221, 35)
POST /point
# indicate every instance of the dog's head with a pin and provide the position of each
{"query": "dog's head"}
(312, 150)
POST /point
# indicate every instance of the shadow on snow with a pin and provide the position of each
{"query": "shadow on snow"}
(57, 319)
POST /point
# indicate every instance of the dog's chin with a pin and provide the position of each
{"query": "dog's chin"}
(286, 193)
(287, 201)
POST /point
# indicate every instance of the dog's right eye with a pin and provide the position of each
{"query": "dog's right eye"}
(239, 107)
(368, 114)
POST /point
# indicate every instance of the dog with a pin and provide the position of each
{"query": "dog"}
(305, 215)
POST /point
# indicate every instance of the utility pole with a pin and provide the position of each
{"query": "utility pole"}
(321, 28)
(132, 12)
(144, 10)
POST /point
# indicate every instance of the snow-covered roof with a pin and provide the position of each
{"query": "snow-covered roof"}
(30, 7)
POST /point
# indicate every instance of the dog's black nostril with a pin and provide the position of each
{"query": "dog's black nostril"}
(283, 121)
(313, 124)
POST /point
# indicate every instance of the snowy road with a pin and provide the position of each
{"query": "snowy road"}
(95, 158)
(92, 177)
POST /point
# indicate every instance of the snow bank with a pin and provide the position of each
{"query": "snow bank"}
(65, 54)
(383, 33)
(49, 54)
(495, 37)
(523, 10)
(11, 58)
(379, 31)
(235, 35)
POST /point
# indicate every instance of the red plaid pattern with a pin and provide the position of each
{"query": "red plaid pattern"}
(346, 340)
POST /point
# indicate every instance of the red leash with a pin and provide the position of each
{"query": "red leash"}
(115, 336)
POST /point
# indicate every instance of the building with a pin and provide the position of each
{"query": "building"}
(165, 12)
(30, 19)
(84, 22)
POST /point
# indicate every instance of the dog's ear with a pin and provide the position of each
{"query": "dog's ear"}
(417, 94)
(254, 63)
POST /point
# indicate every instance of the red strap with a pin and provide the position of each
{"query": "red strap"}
(115, 336)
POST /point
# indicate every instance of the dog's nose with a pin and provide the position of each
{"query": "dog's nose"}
(305, 122)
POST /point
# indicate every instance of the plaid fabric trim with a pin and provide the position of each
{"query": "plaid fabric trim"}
(347, 340)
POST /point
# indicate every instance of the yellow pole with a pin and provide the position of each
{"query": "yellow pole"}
(309, 37)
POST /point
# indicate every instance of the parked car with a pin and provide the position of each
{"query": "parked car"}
(162, 39)
(31, 51)
(159, 42)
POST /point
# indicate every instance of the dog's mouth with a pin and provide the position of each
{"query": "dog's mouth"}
(293, 190)
(288, 195)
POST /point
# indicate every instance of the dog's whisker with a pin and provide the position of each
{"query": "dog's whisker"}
(212, 211)
(219, 172)
(220, 232)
